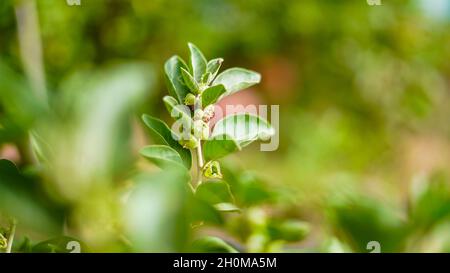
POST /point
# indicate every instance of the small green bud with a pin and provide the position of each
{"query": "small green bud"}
(212, 170)
(190, 143)
(189, 99)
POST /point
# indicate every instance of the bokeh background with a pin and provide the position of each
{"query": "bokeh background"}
(364, 124)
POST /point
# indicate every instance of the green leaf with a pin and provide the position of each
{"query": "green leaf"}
(214, 66)
(212, 244)
(244, 128)
(162, 155)
(198, 62)
(174, 78)
(206, 78)
(155, 217)
(215, 192)
(212, 94)
(18, 200)
(251, 190)
(290, 230)
(360, 220)
(164, 135)
(219, 146)
(176, 110)
(190, 81)
(170, 103)
(227, 207)
(431, 205)
(201, 211)
(235, 79)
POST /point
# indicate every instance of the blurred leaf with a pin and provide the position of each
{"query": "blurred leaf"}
(24, 246)
(164, 135)
(201, 211)
(62, 244)
(212, 94)
(290, 230)
(190, 81)
(236, 79)
(198, 62)
(432, 205)
(219, 146)
(173, 75)
(244, 128)
(362, 220)
(211, 244)
(162, 156)
(155, 214)
(19, 105)
(19, 199)
(248, 188)
(227, 207)
(215, 192)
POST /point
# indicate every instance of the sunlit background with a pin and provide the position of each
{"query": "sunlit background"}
(364, 125)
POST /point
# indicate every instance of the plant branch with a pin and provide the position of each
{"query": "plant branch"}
(200, 161)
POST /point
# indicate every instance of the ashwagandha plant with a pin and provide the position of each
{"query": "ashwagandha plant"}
(194, 88)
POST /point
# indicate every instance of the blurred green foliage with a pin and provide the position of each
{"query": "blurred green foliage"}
(364, 126)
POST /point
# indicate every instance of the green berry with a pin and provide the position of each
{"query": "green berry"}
(190, 143)
(189, 99)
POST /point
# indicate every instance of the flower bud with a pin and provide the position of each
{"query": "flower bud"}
(212, 170)
(208, 113)
(189, 99)
(190, 143)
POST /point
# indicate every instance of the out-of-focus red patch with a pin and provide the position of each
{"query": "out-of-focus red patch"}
(279, 78)
(10, 152)
(245, 101)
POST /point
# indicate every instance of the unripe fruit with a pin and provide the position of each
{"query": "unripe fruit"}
(189, 99)
(190, 143)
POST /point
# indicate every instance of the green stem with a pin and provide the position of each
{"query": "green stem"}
(12, 232)
(200, 161)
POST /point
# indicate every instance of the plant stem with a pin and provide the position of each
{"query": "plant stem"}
(200, 161)
(12, 232)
